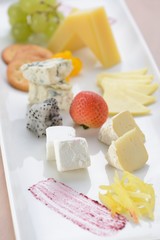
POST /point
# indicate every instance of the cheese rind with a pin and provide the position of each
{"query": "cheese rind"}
(47, 72)
(118, 125)
(56, 133)
(38, 93)
(107, 133)
(71, 154)
(127, 152)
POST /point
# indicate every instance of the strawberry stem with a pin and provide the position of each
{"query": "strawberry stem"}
(84, 126)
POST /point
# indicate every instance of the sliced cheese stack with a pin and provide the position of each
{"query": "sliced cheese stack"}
(127, 152)
(126, 142)
(47, 80)
(118, 125)
(88, 28)
(69, 152)
(128, 91)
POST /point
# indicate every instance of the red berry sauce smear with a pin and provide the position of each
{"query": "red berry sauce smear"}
(78, 208)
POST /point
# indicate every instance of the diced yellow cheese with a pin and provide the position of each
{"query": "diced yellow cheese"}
(127, 152)
(118, 101)
(90, 28)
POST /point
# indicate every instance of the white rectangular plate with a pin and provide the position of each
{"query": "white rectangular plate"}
(24, 154)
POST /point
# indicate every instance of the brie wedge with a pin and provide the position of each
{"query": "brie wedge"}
(127, 152)
(117, 126)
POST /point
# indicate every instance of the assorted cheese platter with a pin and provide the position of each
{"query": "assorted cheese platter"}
(79, 125)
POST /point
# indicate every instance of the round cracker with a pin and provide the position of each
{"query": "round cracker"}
(9, 52)
(26, 53)
(15, 76)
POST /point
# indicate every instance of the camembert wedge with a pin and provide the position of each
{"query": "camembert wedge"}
(127, 152)
(118, 125)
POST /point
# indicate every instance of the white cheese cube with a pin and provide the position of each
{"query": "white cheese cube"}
(127, 152)
(117, 126)
(71, 154)
(57, 133)
(47, 72)
(39, 93)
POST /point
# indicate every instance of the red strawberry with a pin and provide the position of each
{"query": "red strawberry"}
(89, 109)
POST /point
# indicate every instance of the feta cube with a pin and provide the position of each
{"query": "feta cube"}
(56, 133)
(71, 154)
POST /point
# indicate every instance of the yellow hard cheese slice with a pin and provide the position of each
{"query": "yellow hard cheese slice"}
(135, 74)
(138, 86)
(118, 101)
(118, 125)
(127, 152)
(144, 79)
(140, 97)
(146, 89)
(89, 28)
(128, 90)
(138, 72)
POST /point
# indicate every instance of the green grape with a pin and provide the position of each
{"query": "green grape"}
(32, 6)
(34, 20)
(16, 14)
(51, 2)
(21, 32)
(51, 28)
(46, 5)
(38, 39)
(54, 20)
(39, 22)
(60, 16)
(29, 6)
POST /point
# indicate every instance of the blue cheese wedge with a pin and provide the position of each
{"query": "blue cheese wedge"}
(47, 72)
(71, 154)
(117, 126)
(38, 93)
(127, 152)
(57, 133)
